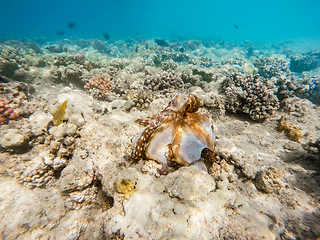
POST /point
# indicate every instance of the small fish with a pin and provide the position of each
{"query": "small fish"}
(71, 25)
(59, 115)
(106, 36)
(161, 43)
(137, 48)
(60, 33)
(54, 49)
(236, 26)
(89, 66)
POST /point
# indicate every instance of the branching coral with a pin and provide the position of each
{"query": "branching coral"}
(164, 82)
(139, 99)
(271, 67)
(6, 113)
(253, 95)
(305, 62)
(98, 86)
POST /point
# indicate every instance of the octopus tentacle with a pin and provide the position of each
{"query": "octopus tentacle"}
(198, 130)
(189, 136)
(141, 142)
(177, 134)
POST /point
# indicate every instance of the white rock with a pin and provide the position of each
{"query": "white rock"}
(47, 157)
(12, 139)
(63, 130)
(39, 121)
(77, 119)
(59, 163)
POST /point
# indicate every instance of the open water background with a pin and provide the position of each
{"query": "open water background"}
(230, 20)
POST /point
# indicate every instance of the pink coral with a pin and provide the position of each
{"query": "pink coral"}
(6, 113)
(99, 86)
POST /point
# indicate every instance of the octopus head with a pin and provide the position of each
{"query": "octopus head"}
(184, 103)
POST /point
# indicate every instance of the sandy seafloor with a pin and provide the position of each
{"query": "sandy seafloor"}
(76, 180)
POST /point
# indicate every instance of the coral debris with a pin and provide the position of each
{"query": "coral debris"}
(6, 113)
(293, 133)
(125, 187)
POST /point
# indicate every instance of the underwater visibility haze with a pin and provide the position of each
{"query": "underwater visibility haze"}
(255, 20)
(160, 119)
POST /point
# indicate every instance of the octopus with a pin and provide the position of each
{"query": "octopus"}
(177, 135)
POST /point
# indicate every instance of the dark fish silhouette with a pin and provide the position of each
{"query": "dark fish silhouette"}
(106, 36)
(60, 33)
(71, 25)
(161, 43)
(236, 26)
(55, 49)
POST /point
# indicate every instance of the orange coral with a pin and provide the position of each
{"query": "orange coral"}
(99, 86)
(6, 113)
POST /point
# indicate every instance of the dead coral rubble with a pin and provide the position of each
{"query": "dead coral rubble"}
(293, 133)
(313, 146)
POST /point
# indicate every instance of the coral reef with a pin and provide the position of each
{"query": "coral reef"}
(34, 173)
(252, 95)
(138, 99)
(205, 73)
(75, 180)
(80, 58)
(165, 82)
(272, 67)
(168, 65)
(303, 87)
(189, 78)
(167, 54)
(304, 61)
(100, 46)
(297, 106)
(98, 86)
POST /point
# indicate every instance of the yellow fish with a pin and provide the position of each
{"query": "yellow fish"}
(59, 115)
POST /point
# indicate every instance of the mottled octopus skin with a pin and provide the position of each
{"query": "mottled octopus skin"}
(176, 134)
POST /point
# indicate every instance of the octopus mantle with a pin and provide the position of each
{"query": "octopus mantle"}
(177, 134)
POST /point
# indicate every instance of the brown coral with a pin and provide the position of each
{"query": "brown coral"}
(6, 113)
(293, 133)
(98, 86)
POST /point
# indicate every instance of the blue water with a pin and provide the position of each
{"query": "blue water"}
(231, 20)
